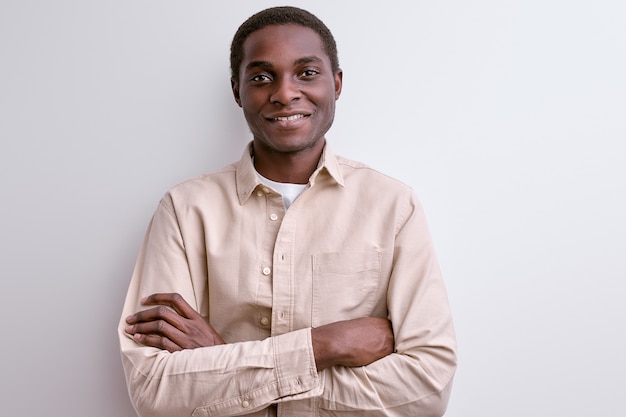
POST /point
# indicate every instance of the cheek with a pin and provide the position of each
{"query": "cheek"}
(328, 97)
(250, 110)
(329, 106)
(250, 99)
(251, 120)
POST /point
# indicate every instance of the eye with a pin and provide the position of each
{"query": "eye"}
(309, 73)
(261, 78)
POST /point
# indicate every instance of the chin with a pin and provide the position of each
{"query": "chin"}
(290, 145)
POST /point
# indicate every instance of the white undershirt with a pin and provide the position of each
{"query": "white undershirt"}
(288, 190)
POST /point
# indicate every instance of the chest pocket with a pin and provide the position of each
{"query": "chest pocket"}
(345, 285)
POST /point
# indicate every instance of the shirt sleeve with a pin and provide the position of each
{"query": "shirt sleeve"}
(417, 378)
(232, 379)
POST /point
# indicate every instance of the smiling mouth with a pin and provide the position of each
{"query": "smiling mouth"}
(289, 118)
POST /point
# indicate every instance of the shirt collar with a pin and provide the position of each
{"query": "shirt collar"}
(248, 180)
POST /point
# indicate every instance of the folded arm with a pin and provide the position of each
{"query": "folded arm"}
(177, 364)
(356, 342)
(417, 378)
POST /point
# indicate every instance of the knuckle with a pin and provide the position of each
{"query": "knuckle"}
(161, 311)
(159, 342)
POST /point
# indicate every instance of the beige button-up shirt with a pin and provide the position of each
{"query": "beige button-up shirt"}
(353, 244)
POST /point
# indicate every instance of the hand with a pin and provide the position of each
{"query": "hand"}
(357, 342)
(171, 329)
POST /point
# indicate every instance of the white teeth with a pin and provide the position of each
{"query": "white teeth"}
(294, 117)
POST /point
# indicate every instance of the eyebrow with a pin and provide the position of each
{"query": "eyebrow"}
(299, 61)
(307, 59)
(261, 64)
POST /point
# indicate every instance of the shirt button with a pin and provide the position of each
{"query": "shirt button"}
(266, 271)
(245, 404)
(259, 193)
(265, 321)
(273, 216)
(266, 190)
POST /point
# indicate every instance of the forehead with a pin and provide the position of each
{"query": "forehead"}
(283, 42)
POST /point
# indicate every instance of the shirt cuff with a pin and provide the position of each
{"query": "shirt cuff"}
(295, 377)
(294, 362)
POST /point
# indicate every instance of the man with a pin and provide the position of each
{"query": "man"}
(293, 282)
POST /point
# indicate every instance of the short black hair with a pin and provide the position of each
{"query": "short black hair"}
(283, 15)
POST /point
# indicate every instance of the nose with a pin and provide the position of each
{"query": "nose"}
(286, 90)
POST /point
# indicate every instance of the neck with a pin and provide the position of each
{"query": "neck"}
(287, 167)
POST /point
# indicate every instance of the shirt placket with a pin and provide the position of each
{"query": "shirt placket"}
(283, 291)
(277, 256)
(275, 268)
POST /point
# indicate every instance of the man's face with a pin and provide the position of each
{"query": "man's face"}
(287, 88)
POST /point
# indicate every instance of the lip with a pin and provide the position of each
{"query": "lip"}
(287, 117)
(292, 119)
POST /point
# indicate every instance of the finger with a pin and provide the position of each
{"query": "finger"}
(156, 341)
(157, 313)
(159, 328)
(173, 300)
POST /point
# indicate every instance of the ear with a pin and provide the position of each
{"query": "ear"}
(234, 85)
(338, 83)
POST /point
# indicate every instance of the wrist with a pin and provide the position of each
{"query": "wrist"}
(324, 350)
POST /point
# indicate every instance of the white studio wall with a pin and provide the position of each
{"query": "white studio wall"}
(507, 117)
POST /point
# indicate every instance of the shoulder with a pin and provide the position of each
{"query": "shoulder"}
(379, 192)
(199, 187)
(359, 173)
